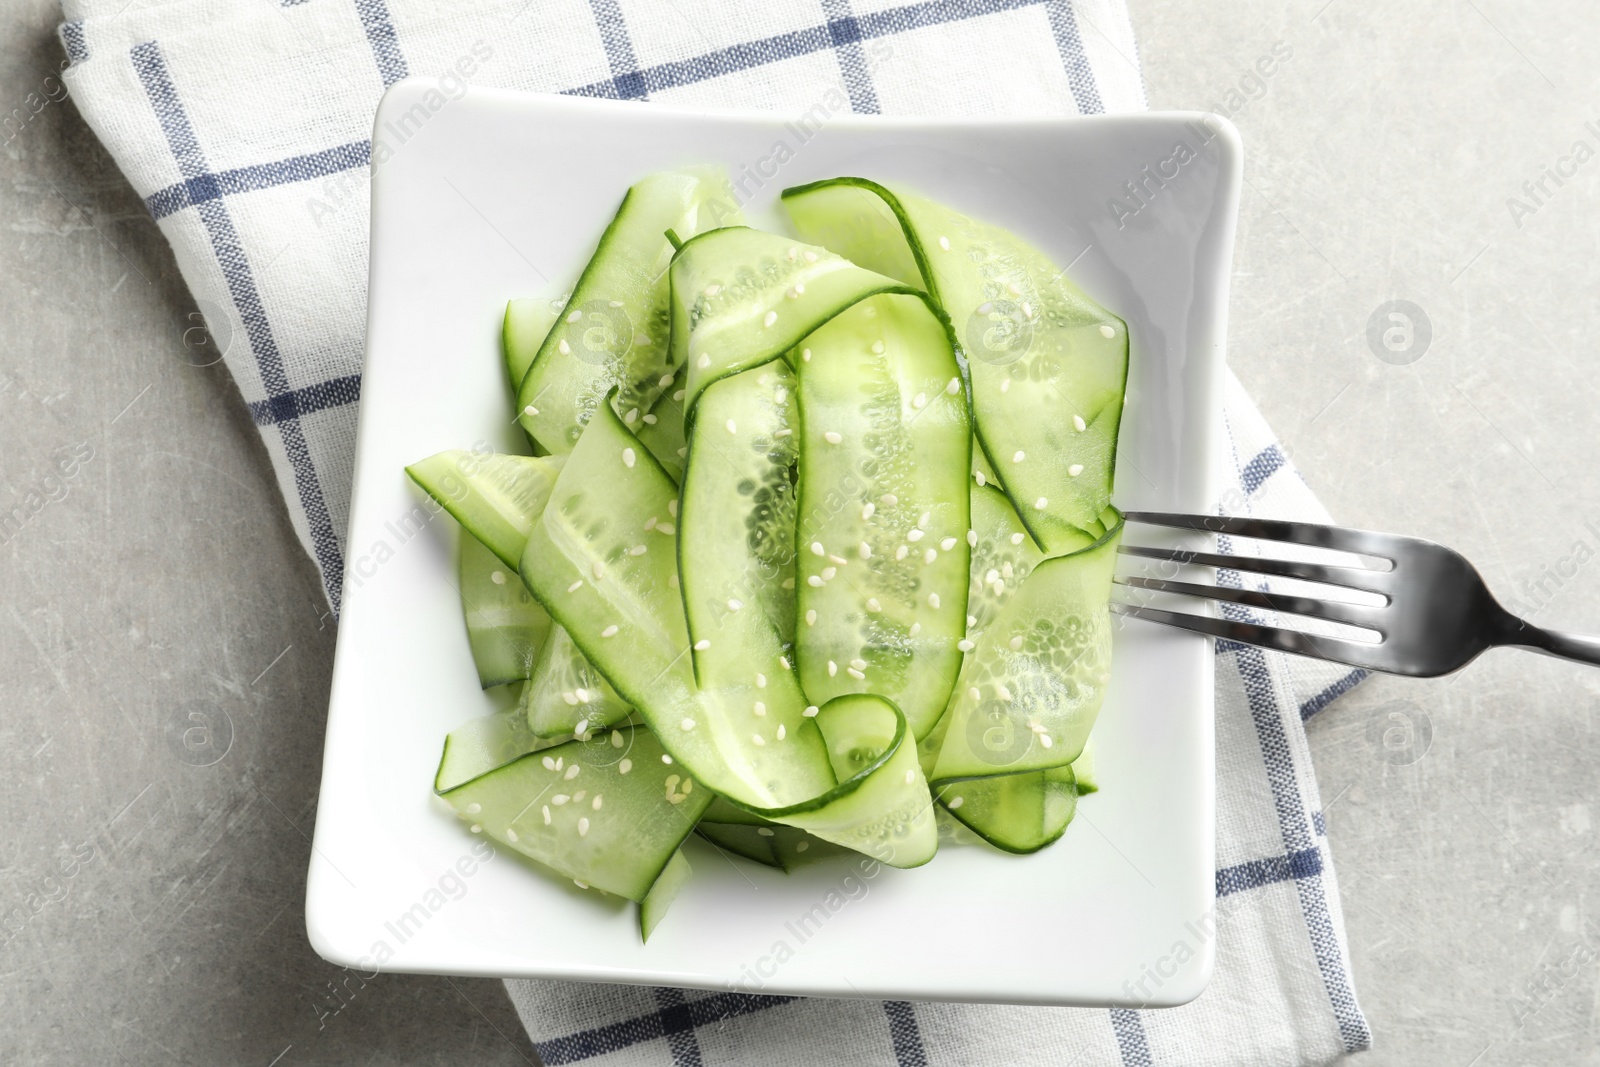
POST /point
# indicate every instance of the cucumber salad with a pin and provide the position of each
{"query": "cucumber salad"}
(813, 552)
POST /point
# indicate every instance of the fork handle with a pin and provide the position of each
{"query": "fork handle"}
(1578, 647)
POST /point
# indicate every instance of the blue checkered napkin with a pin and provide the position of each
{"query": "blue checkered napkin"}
(244, 124)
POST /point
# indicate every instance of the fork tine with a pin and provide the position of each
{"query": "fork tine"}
(1353, 577)
(1366, 615)
(1333, 649)
(1337, 538)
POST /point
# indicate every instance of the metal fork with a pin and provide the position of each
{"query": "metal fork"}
(1437, 615)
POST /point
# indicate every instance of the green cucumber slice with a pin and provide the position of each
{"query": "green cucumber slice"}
(665, 890)
(1047, 365)
(506, 627)
(526, 324)
(1018, 813)
(543, 808)
(622, 608)
(1083, 770)
(662, 432)
(755, 843)
(881, 806)
(742, 298)
(496, 498)
(881, 536)
(736, 540)
(566, 692)
(1031, 688)
(614, 331)
(482, 744)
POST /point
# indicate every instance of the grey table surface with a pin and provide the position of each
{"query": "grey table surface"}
(1433, 151)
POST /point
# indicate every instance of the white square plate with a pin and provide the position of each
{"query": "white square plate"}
(499, 195)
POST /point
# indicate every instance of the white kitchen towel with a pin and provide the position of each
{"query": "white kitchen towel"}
(245, 126)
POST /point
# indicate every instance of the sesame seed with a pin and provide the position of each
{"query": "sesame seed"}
(735, 605)
(530, 410)
(759, 708)
(650, 420)
(1006, 572)
(672, 508)
(916, 627)
(628, 457)
(498, 577)
(688, 786)
(609, 631)
(911, 776)
(1018, 456)
(877, 348)
(840, 560)
(990, 575)
(713, 289)
(955, 802)
(625, 766)
(832, 437)
(1027, 310)
(888, 500)
(997, 587)
(1074, 470)
(637, 550)
(933, 600)
(549, 764)
(1107, 331)
(1016, 644)
(583, 697)
(873, 605)
(930, 555)
(583, 826)
(971, 621)
(1042, 503)
(794, 253)
(857, 675)
(616, 303)
(864, 550)
(616, 739)
(783, 661)
(972, 538)
(811, 618)
(953, 387)
(795, 291)
(631, 417)
(927, 517)
(901, 552)
(571, 698)
(599, 569)
(802, 846)
(833, 668)
(817, 549)
(1002, 692)
(1044, 739)
(944, 243)
(473, 809)
(764, 831)
(1016, 538)
(665, 758)
(974, 693)
(1011, 287)
(583, 724)
(681, 393)
(868, 511)
(564, 348)
(859, 664)
(757, 739)
(580, 883)
(575, 316)
(761, 681)
(919, 401)
(559, 799)
(545, 808)
(828, 573)
(814, 582)
(782, 733)
(771, 317)
(805, 355)
(704, 361)
(914, 536)
(965, 646)
(572, 771)
(980, 478)
(947, 544)
(575, 586)
(810, 712)
(666, 528)
(686, 724)
(811, 257)
(702, 644)
(1078, 423)
(985, 307)
(476, 828)
(666, 380)
(595, 804)
(1005, 385)
(780, 396)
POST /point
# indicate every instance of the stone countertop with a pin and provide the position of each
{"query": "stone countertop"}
(1388, 146)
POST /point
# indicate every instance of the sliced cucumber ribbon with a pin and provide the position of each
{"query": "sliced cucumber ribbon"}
(1047, 365)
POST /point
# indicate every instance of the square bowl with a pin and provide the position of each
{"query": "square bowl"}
(497, 195)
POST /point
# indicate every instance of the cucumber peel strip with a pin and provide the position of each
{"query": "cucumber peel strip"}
(497, 498)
